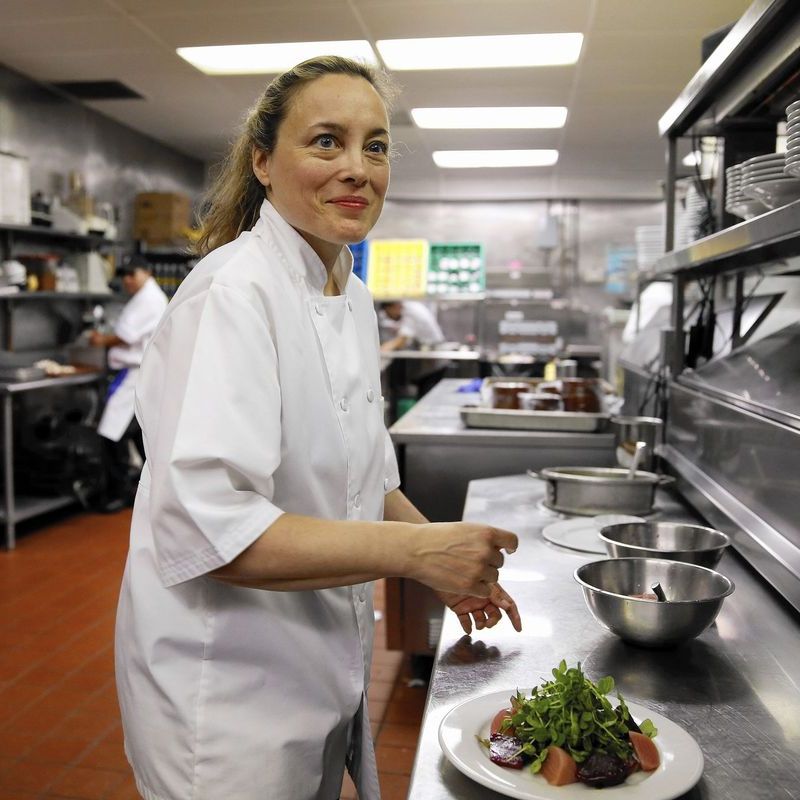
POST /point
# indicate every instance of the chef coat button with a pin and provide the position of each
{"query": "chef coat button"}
(357, 501)
(362, 596)
(349, 305)
(318, 308)
(385, 484)
(343, 404)
(370, 395)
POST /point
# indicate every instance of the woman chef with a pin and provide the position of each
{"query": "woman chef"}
(132, 331)
(269, 501)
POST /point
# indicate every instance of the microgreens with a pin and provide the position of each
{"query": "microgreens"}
(573, 713)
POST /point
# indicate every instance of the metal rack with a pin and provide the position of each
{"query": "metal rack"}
(735, 461)
(17, 508)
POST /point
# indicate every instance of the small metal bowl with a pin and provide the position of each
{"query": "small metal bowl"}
(693, 544)
(694, 598)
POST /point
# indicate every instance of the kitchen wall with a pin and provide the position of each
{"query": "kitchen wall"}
(59, 135)
(523, 231)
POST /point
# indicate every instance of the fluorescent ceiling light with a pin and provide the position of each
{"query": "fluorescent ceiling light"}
(465, 159)
(253, 59)
(499, 117)
(481, 52)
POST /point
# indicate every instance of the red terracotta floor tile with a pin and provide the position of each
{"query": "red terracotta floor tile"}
(29, 776)
(393, 786)
(86, 784)
(395, 760)
(398, 735)
(105, 755)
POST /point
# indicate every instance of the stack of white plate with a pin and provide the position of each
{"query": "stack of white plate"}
(649, 245)
(763, 179)
(736, 202)
(692, 224)
(792, 167)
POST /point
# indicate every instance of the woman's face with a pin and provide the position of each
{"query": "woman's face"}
(329, 171)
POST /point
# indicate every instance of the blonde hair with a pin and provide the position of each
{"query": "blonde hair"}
(234, 198)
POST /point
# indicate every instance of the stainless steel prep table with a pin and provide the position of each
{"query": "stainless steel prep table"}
(17, 509)
(440, 455)
(734, 688)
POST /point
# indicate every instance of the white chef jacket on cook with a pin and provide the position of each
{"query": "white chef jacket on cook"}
(258, 396)
(135, 326)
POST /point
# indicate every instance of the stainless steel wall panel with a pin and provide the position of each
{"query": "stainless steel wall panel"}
(744, 469)
(60, 135)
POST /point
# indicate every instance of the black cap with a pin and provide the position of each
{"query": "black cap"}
(130, 263)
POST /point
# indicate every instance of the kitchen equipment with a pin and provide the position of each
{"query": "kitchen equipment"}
(567, 368)
(695, 597)
(521, 420)
(583, 533)
(505, 394)
(659, 592)
(580, 394)
(540, 401)
(641, 447)
(630, 430)
(693, 544)
(600, 490)
(12, 374)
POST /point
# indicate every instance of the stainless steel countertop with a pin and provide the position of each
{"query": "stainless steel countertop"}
(431, 355)
(736, 688)
(436, 419)
(16, 387)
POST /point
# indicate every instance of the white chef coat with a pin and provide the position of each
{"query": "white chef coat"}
(419, 323)
(257, 396)
(135, 326)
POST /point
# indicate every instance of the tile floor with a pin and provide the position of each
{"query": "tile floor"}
(60, 735)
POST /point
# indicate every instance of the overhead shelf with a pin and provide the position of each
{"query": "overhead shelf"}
(751, 76)
(771, 236)
(98, 296)
(31, 232)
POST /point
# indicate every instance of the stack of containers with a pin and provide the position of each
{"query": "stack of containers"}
(456, 267)
(649, 245)
(792, 166)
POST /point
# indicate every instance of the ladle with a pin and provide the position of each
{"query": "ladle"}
(637, 457)
(659, 592)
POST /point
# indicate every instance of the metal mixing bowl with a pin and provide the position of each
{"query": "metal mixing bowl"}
(694, 598)
(691, 543)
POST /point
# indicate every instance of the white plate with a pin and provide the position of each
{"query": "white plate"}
(680, 769)
(582, 534)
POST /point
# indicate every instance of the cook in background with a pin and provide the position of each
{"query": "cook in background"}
(118, 425)
(412, 324)
(269, 500)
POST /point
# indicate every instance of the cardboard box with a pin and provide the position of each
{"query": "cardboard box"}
(161, 217)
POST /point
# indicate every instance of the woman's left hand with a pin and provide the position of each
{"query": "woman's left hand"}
(484, 611)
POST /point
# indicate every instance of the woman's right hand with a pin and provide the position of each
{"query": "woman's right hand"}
(458, 557)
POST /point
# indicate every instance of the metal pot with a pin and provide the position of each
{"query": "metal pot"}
(629, 430)
(600, 490)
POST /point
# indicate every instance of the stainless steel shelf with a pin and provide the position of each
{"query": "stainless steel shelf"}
(106, 296)
(772, 236)
(40, 232)
(28, 507)
(751, 62)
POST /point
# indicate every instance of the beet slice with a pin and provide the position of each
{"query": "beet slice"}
(602, 769)
(505, 751)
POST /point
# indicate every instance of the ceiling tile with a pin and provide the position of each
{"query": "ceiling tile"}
(390, 19)
(251, 27)
(658, 15)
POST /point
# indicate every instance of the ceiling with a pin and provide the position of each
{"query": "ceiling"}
(637, 56)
